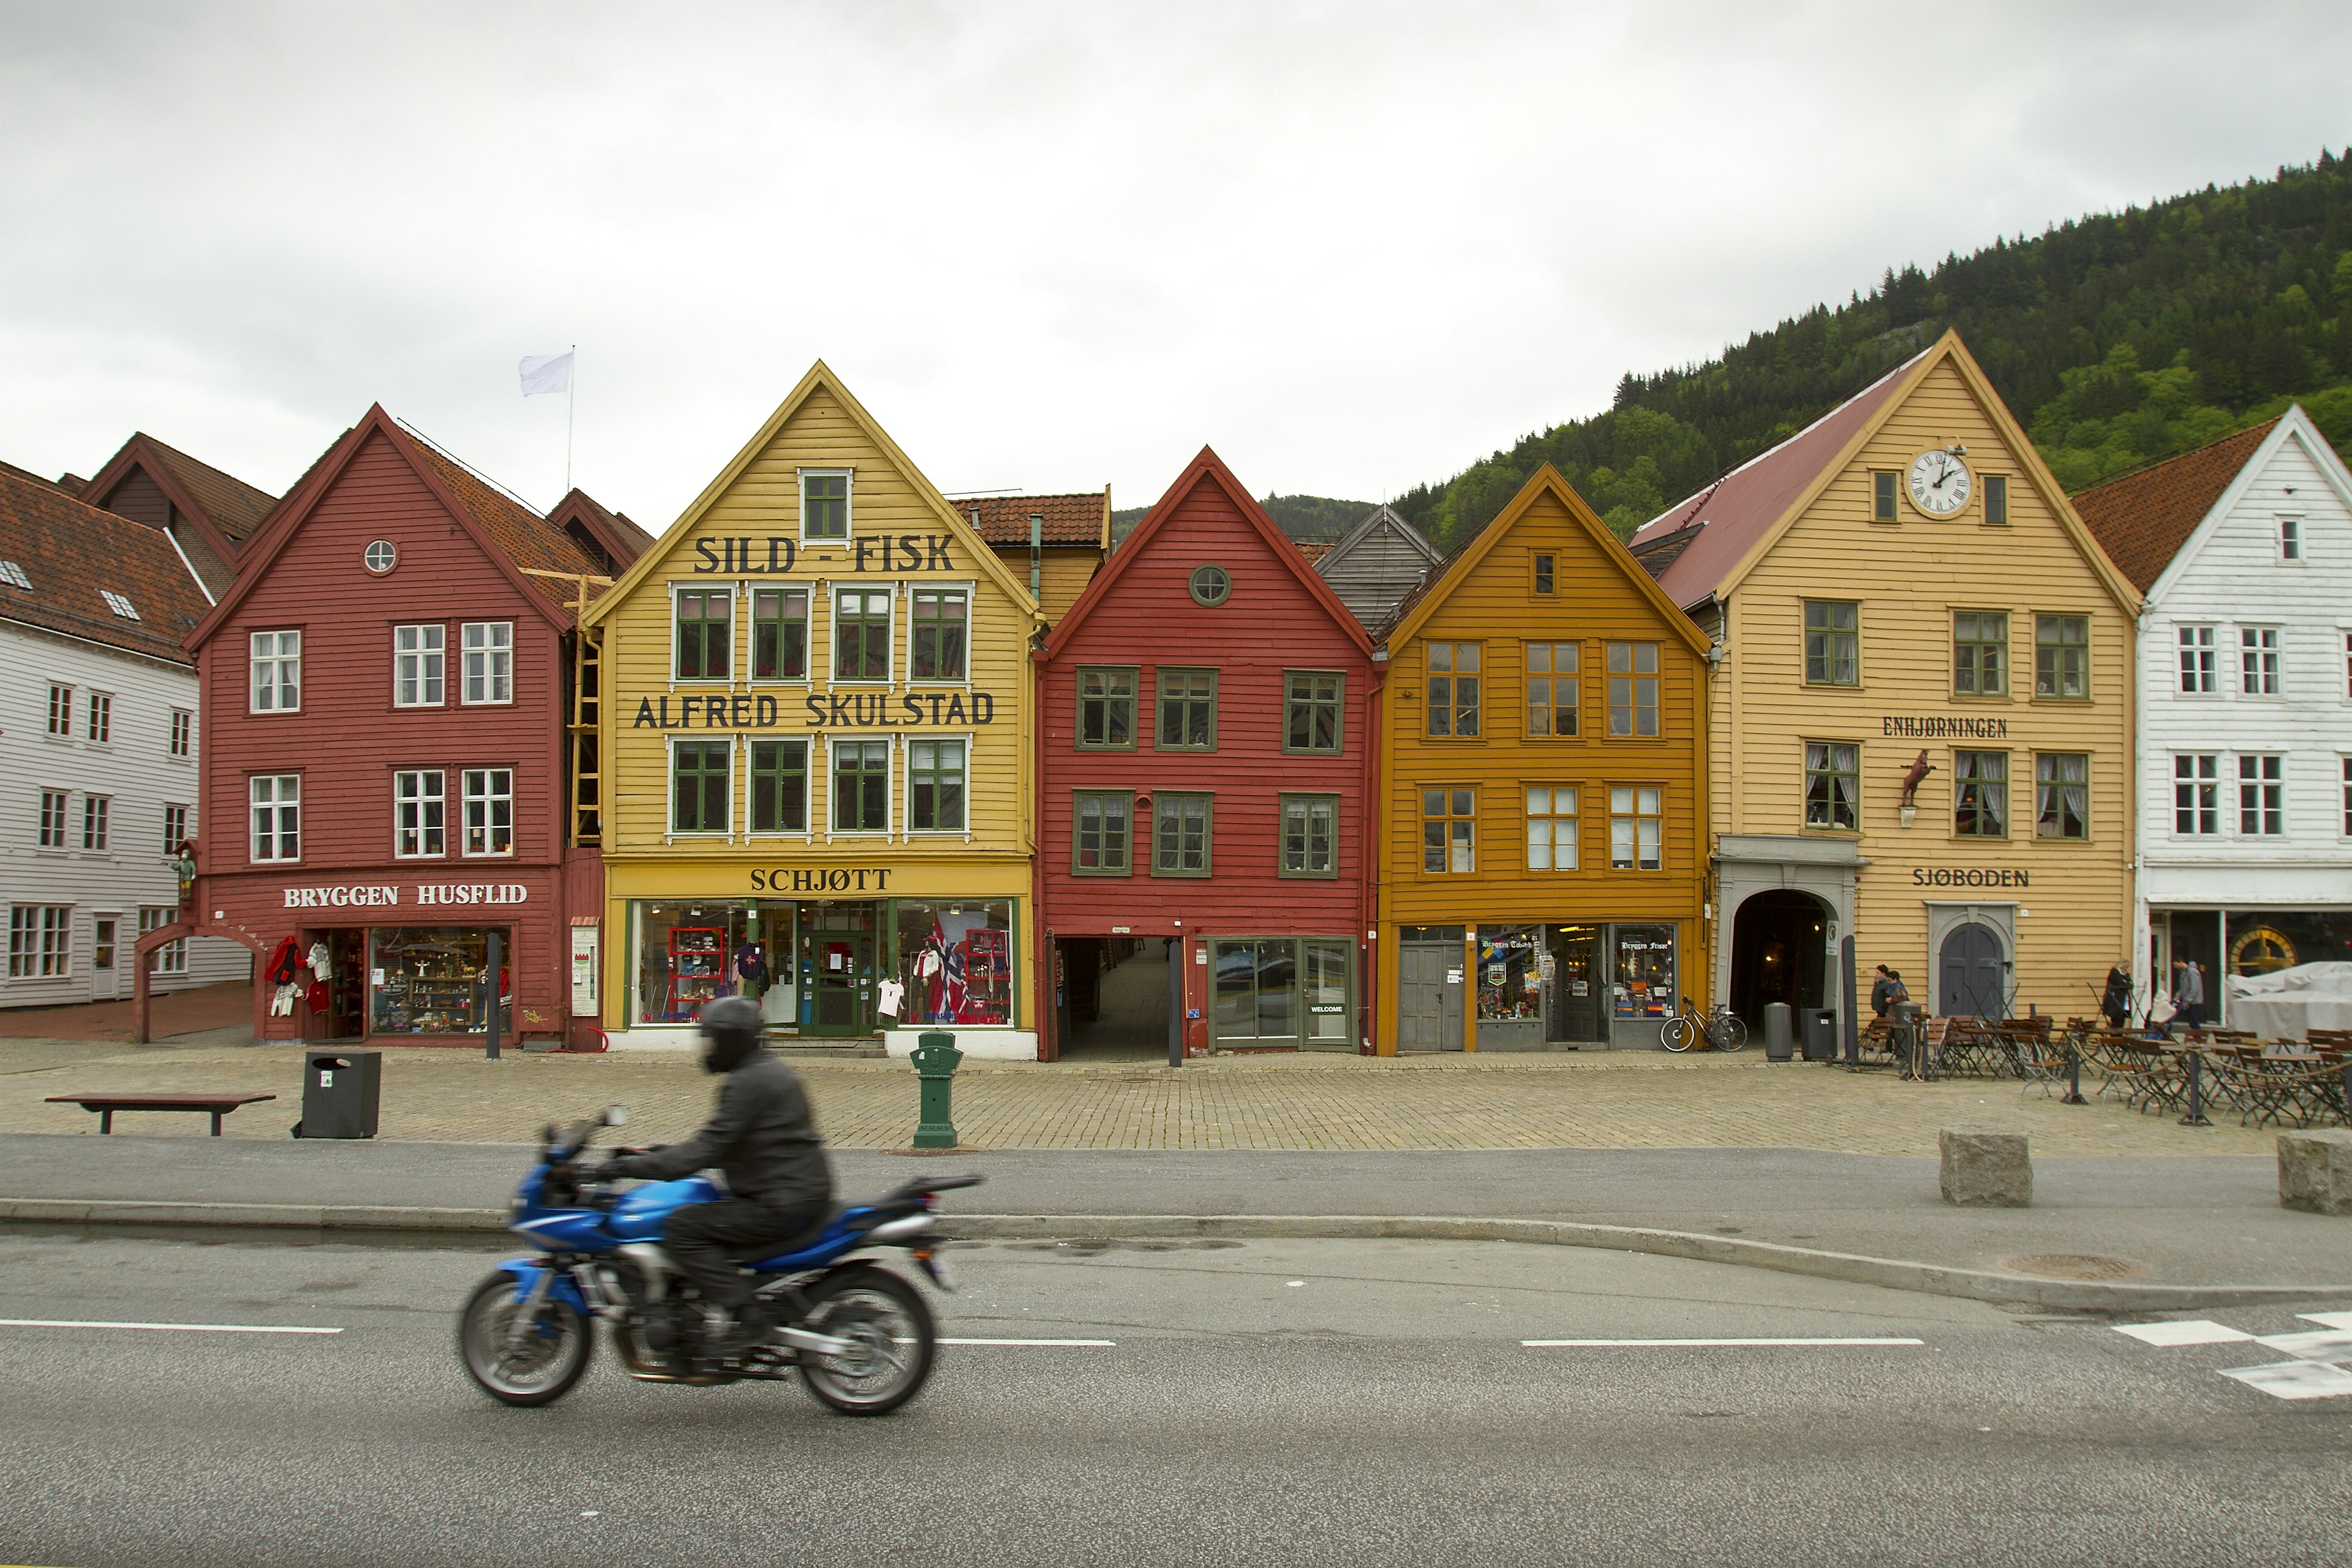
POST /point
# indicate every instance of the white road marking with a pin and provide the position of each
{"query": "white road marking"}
(1105, 1343)
(184, 1327)
(1809, 1340)
(2295, 1379)
(2326, 1345)
(2327, 1319)
(2196, 1331)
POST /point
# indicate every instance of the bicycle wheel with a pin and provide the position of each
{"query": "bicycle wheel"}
(1678, 1034)
(1731, 1032)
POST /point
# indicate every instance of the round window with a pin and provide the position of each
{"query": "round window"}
(1210, 586)
(381, 556)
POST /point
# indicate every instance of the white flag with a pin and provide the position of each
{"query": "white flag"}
(546, 372)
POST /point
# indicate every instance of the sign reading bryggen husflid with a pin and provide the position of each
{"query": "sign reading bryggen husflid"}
(817, 751)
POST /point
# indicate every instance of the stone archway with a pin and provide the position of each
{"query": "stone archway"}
(1779, 954)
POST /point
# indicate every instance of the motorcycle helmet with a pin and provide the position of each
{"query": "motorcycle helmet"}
(730, 1032)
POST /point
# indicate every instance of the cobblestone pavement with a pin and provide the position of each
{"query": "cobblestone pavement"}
(1610, 1101)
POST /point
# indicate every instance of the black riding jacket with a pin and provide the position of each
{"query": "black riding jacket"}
(762, 1135)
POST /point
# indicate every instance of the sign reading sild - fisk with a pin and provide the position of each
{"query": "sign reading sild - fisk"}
(775, 553)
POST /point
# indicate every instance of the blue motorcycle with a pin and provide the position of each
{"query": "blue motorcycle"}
(859, 1336)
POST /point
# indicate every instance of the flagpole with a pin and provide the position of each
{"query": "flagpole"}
(570, 398)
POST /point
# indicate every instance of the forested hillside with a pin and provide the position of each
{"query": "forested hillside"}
(1301, 517)
(2113, 339)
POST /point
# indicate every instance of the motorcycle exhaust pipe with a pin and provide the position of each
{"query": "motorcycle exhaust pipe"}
(817, 1344)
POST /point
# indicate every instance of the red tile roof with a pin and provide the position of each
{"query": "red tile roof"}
(2143, 519)
(1740, 508)
(236, 508)
(528, 537)
(11, 469)
(74, 554)
(1070, 521)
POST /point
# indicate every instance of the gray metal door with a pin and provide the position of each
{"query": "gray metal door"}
(1428, 997)
(1968, 985)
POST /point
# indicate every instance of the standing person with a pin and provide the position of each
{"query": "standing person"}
(2115, 1002)
(1879, 987)
(2187, 995)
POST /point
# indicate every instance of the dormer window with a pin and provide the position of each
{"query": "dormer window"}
(13, 575)
(118, 604)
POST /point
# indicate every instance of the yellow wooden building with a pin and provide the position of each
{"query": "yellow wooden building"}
(1543, 793)
(816, 732)
(1921, 711)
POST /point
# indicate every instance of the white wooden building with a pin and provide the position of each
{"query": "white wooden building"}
(97, 749)
(2243, 550)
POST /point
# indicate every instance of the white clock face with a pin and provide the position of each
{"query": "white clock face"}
(1940, 483)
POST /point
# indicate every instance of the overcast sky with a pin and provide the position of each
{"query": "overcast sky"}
(1353, 247)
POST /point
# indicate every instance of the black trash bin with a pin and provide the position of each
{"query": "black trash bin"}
(1820, 1033)
(1779, 1037)
(340, 1094)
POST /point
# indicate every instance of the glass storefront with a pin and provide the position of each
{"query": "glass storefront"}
(1643, 986)
(431, 980)
(955, 958)
(691, 953)
(1283, 992)
(1510, 976)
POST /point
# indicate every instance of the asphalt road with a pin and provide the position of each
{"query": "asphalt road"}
(1261, 1403)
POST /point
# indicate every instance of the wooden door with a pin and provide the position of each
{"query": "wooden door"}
(1968, 983)
(103, 984)
(1429, 999)
(1579, 1014)
(844, 981)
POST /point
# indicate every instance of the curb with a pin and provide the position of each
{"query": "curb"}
(384, 1222)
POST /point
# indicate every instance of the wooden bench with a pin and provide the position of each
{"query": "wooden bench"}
(106, 1105)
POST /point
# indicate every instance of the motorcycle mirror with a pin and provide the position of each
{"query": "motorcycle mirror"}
(616, 1116)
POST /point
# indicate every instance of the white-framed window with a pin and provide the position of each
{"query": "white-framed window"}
(2290, 537)
(277, 817)
(176, 829)
(936, 785)
(1636, 827)
(184, 733)
(101, 717)
(172, 958)
(40, 942)
(861, 633)
(419, 813)
(489, 662)
(702, 786)
(860, 789)
(61, 709)
(2199, 677)
(2261, 796)
(825, 504)
(53, 819)
(119, 604)
(2347, 797)
(419, 662)
(938, 631)
(2258, 661)
(277, 684)
(2197, 793)
(2347, 664)
(1551, 827)
(95, 811)
(490, 811)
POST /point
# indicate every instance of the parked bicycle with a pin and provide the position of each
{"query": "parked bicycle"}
(1720, 1030)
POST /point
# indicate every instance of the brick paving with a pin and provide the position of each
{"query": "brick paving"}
(1609, 1100)
(227, 1004)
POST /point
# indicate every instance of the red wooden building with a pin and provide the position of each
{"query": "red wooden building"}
(392, 741)
(1206, 719)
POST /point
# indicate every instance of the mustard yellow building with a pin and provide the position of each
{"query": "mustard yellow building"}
(1921, 711)
(1543, 793)
(816, 732)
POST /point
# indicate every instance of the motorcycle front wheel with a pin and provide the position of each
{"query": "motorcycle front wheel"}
(890, 1333)
(537, 1368)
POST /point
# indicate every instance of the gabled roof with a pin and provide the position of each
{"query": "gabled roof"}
(2143, 519)
(221, 500)
(14, 472)
(1081, 522)
(1422, 602)
(1207, 466)
(74, 554)
(820, 375)
(613, 532)
(510, 534)
(1747, 511)
(1384, 519)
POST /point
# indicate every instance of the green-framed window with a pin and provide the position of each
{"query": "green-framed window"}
(1182, 831)
(1555, 671)
(779, 633)
(780, 786)
(935, 787)
(1996, 498)
(1187, 700)
(1979, 653)
(1882, 485)
(940, 646)
(705, 627)
(1310, 836)
(861, 634)
(702, 784)
(861, 786)
(2062, 794)
(825, 504)
(2062, 657)
(1311, 710)
(1832, 643)
(1832, 785)
(1633, 689)
(1107, 708)
(1980, 795)
(1101, 832)
(1451, 670)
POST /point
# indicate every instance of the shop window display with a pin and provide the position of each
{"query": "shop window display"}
(1644, 983)
(689, 954)
(1510, 972)
(955, 960)
(428, 980)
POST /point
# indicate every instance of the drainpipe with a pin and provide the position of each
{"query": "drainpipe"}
(1036, 555)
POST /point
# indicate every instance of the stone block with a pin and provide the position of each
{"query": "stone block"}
(2315, 1171)
(1985, 1167)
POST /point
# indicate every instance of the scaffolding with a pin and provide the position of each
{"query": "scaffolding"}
(587, 825)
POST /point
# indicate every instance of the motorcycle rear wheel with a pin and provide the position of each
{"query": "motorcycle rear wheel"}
(890, 1325)
(543, 1368)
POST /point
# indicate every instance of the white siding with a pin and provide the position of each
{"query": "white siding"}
(134, 769)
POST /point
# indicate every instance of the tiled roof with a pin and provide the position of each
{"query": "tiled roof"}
(14, 471)
(2143, 519)
(529, 540)
(1003, 521)
(1741, 507)
(75, 554)
(622, 526)
(234, 507)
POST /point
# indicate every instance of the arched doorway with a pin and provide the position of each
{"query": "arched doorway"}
(1779, 954)
(1969, 973)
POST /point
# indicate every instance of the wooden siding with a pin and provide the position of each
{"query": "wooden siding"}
(140, 498)
(1376, 568)
(1909, 578)
(1596, 602)
(1064, 575)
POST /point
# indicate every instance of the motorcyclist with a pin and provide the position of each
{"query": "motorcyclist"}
(763, 1137)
